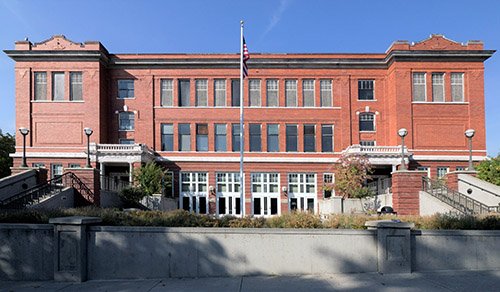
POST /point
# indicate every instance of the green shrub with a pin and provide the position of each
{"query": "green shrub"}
(132, 194)
(489, 170)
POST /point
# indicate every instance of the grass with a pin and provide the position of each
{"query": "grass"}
(181, 218)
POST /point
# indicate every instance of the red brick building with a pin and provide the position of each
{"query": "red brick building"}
(302, 111)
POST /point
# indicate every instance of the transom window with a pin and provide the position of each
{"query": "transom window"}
(419, 90)
(308, 92)
(457, 87)
(367, 122)
(220, 92)
(167, 92)
(365, 90)
(272, 93)
(265, 183)
(291, 93)
(438, 87)
(125, 88)
(367, 143)
(326, 93)
(126, 121)
(126, 141)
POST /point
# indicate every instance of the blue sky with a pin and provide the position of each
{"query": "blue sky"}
(270, 26)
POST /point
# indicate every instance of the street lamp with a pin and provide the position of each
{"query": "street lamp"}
(24, 131)
(402, 133)
(88, 132)
(469, 134)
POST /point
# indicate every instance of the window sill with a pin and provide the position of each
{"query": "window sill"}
(440, 102)
(58, 101)
(133, 97)
(122, 130)
(369, 100)
(368, 132)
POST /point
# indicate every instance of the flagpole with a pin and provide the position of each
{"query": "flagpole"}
(242, 136)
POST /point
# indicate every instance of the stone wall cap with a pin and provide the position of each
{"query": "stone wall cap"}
(389, 224)
(75, 220)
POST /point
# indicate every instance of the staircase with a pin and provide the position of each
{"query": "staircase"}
(49, 189)
(459, 201)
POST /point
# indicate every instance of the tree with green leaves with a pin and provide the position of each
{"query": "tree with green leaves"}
(352, 172)
(149, 178)
(489, 170)
(7, 146)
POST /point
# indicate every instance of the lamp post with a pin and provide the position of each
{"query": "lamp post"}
(469, 134)
(24, 131)
(402, 133)
(88, 132)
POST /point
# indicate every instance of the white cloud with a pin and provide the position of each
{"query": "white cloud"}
(276, 17)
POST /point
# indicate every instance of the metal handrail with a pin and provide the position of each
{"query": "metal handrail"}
(49, 189)
(113, 183)
(455, 199)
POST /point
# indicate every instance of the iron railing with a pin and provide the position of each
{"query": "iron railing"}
(113, 184)
(381, 187)
(49, 189)
(455, 199)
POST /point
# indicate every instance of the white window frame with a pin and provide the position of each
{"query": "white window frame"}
(442, 167)
(53, 173)
(462, 85)
(220, 88)
(229, 180)
(424, 83)
(307, 88)
(166, 85)
(442, 84)
(120, 128)
(291, 85)
(201, 87)
(253, 88)
(265, 195)
(374, 122)
(302, 195)
(118, 88)
(327, 89)
(332, 175)
(425, 168)
(194, 192)
(272, 85)
(373, 89)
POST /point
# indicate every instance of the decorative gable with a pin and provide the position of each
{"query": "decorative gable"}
(57, 43)
(437, 42)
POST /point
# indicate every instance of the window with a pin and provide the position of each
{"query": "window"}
(255, 138)
(272, 93)
(76, 86)
(291, 138)
(184, 90)
(265, 193)
(184, 137)
(426, 169)
(438, 87)
(228, 196)
(457, 87)
(38, 165)
(167, 92)
(302, 191)
(461, 168)
(326, 93)
(291, 93)
(201, 137)
(194, 186)
(201, 92)
(441, 171)
(326, 138)
(308, 93)
(220, 137)
(220, 92)
(367, 122)
(74, 165)
(126, 121)
(254, 92)
(236, 137)
(56, 170)
(419, 90)
(328, 182)
(58, 86)
(235, 93)
(126, 88)
(167, 137)
(273, 141)
(126, 141)
(367, 143)
(309, 138)
(365, 90)
(40, 86)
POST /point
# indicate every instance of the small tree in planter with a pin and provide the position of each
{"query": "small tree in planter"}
(149, 178)
(353, 170)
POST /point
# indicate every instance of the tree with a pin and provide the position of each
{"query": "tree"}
(7, 146)
(149, 178)
(489, 170)
(352, 172)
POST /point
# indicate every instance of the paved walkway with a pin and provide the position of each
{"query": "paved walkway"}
(442, 281)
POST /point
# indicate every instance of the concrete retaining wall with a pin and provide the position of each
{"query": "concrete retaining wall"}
(17, 183)
(28, 252)
(480, 190)
(430, 205)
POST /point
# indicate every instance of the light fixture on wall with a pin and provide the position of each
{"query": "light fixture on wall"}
(88, 132)
(24, 131)
(284, 190)
(402, 133)
(469, 134)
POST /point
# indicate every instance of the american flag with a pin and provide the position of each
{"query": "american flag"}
(246, 56)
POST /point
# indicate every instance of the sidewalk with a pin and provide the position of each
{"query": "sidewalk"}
(442, 281)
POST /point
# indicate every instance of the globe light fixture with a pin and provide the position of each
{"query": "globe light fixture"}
(24, 131)
(402, 133)
(88, 132)
(469, 134)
